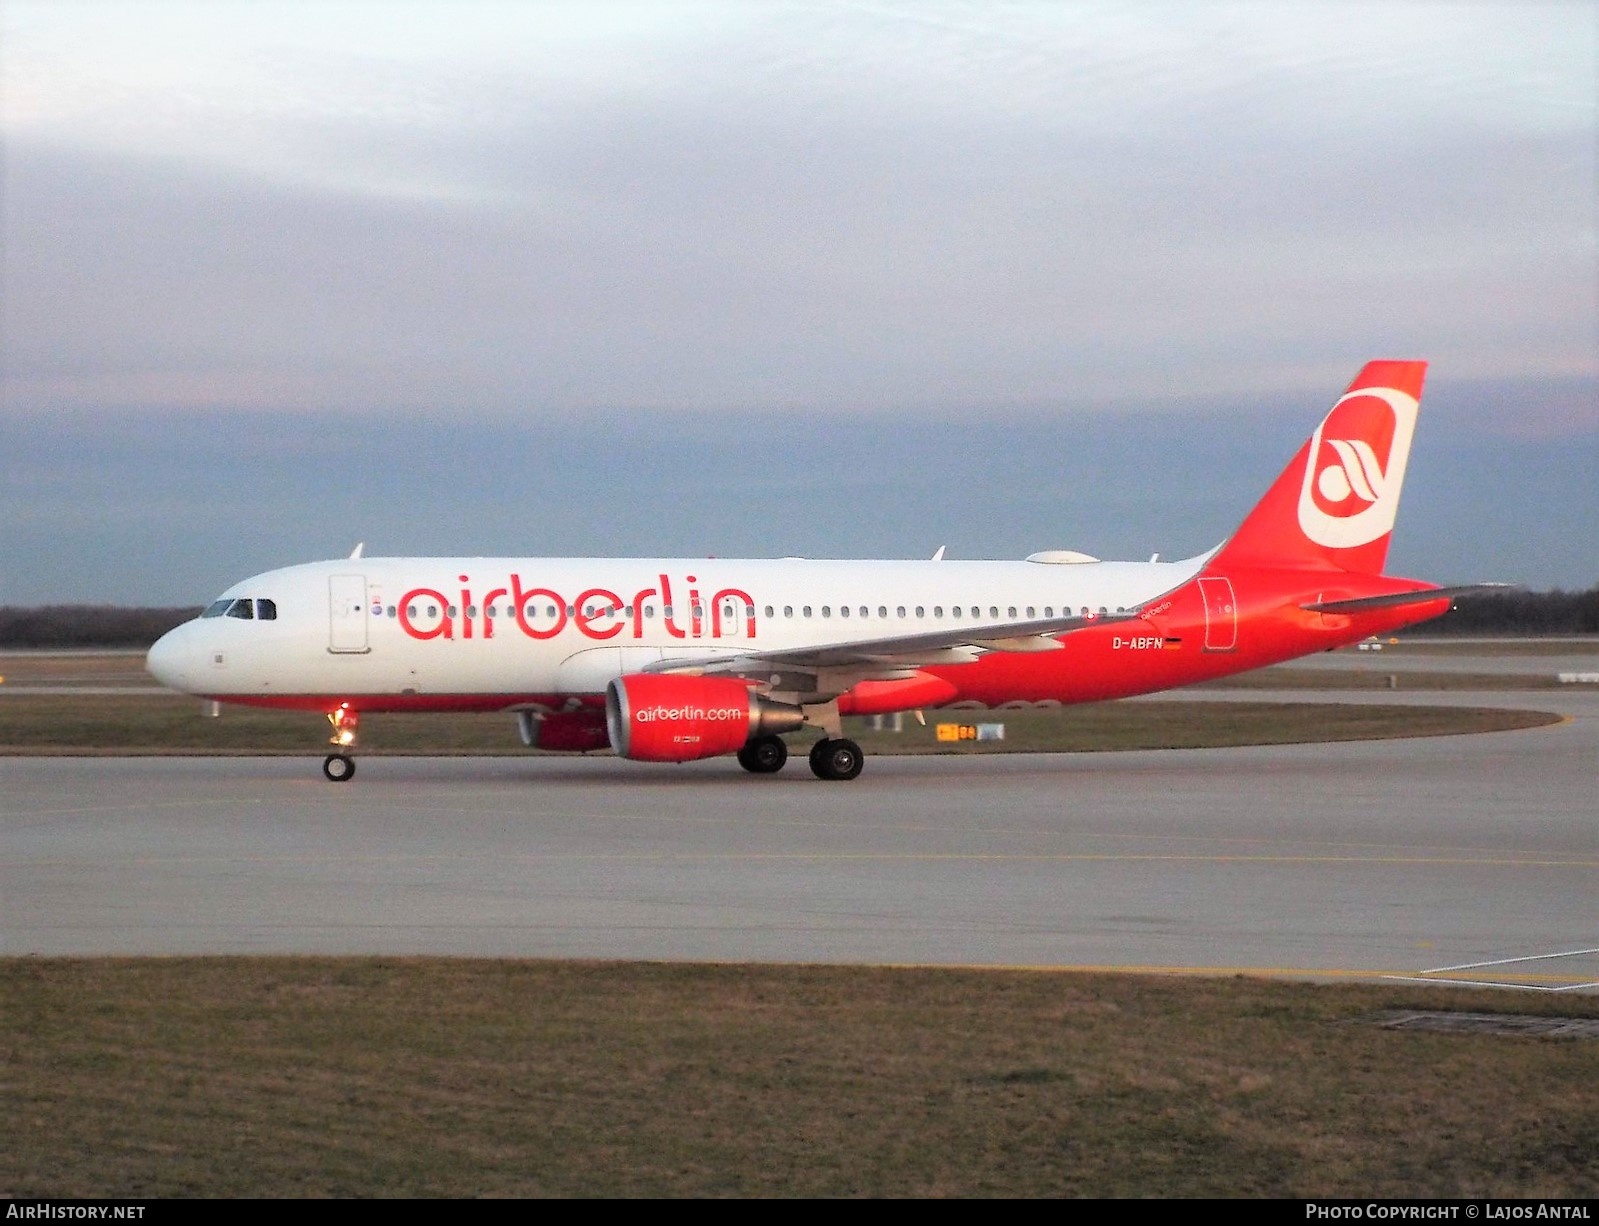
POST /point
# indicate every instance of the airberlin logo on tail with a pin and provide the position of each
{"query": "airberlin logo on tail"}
(1356, 468)
(1353, 481)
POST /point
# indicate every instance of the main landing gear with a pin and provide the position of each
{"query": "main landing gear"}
(340, 767)
(836, 758)
(763, 755)
(831, 758)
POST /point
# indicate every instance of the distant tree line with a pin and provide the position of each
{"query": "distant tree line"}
(1520, 613)
(76, 625)
(65, 626)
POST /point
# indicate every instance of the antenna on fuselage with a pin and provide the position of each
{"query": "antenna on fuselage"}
(939, 556)
(356, 552)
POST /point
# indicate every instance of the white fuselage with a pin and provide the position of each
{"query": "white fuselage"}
(517, 627)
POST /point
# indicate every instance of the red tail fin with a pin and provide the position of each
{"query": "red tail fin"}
(1334, 505)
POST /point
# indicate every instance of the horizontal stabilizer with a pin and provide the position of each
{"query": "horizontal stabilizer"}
(1392, 600)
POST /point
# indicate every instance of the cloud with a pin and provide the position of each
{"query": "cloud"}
(279, 256)
(835, 205)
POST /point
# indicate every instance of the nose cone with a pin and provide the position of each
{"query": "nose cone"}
(170, 661)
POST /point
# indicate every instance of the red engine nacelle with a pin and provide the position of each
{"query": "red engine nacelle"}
(679, 719)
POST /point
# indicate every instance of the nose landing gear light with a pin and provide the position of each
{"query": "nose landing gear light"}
(340, 767)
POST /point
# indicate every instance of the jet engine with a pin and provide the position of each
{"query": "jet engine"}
(678, 719)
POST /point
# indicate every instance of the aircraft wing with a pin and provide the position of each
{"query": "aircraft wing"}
(1361, 604)
(895, 653)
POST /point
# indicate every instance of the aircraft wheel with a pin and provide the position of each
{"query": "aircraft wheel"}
(338, 767)
(840, 759)
(765, 755)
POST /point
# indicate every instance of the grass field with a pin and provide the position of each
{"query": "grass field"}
(101, 703)
(161, 723)
(343, 1077)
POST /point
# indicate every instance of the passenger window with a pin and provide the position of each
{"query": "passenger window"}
(241, 609)
(938, 610)
(768, 612)
(807, 610)
(843, 610)
(955, 610)
(827, 610)
(1049, 610)
(921, 611)
(1030, 612)
(899, 611)
(266, 610)
(216, 608)
(993, 611)
(788, 610)
(1011, 612)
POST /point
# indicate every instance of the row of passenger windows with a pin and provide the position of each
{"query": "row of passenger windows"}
(1012, 612)
(243, 608)
(258, 609)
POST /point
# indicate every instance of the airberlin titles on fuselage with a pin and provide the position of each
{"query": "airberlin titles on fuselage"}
(542, 612)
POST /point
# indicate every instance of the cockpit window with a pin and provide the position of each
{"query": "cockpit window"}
(266, 610)
(240, 608)
(216, 608)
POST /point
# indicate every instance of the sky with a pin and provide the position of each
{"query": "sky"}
(825, 279)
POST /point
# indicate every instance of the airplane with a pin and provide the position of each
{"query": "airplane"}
(674, 660)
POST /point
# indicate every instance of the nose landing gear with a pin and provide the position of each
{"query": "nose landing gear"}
(340, 767)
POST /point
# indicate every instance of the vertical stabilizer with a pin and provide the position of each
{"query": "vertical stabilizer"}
(1335, 503)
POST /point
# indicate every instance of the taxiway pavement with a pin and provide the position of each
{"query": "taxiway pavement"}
(1414, 857)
